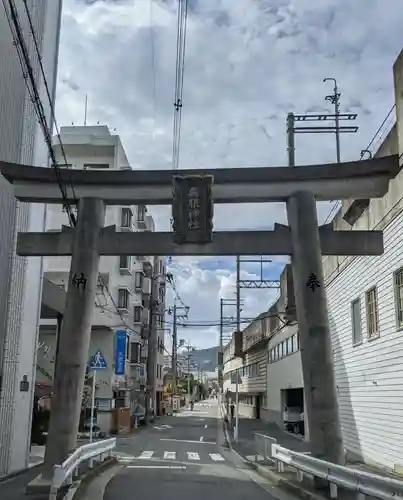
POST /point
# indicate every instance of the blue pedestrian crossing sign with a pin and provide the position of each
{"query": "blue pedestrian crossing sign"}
(98, 362)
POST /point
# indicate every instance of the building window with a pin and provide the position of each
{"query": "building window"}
(135, 350)
(356, 321)
(372, 313)
(137, 314)
(399, 297)
(290, 350)
(123, 298)
(126, 217)
(138, 282)
(141, 212)
(124, 262)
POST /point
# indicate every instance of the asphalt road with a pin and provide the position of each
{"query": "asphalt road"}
(182, 458)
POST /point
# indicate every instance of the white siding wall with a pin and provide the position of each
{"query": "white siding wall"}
(370, 376)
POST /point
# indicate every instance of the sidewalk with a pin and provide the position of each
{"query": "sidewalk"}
(287, 479)
(14, 488)
(246, 438)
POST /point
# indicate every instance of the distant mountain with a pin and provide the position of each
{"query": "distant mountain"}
(206, 358)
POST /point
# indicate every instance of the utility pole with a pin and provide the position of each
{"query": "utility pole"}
(313, 323)
(238, 294)
(224, 302)
(75, 335)
(189, 348)
(335, 100)
(174, 351)
(221, 349)
(176, 316)
(336, 129)
(152, 351)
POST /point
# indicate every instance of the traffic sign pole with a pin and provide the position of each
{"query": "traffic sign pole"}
(94, 375)
(237, 406)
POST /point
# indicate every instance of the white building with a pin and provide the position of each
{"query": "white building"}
(21, 141)
(263, 389)
(365, 300)
(124, 292)
(365, 305)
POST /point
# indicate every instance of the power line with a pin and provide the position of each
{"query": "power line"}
(368, 149)
(45, 83)
(179, 70)
(29, 77)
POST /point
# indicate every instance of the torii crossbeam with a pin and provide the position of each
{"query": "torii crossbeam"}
(299, 187)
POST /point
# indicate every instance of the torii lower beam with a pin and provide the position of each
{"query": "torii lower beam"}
(277, 242)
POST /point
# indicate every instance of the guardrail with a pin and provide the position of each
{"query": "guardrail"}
(364, 483)
(63, 474)
(263, 447)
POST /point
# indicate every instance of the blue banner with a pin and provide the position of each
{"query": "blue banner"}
(120, 353)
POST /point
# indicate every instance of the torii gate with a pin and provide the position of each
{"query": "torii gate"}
(299, 187)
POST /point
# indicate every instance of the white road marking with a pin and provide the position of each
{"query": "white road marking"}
(156, 467)
(201, 439)
(187, 441)
(205, 426)
(169, 455)
(146, 455)
(193, 455)
(126, 459)
(216, 457)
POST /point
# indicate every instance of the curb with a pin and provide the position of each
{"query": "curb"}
(78, 489)
(273, 477)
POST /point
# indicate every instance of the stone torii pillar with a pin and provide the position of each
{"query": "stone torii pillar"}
(313, 323)
(75, 335)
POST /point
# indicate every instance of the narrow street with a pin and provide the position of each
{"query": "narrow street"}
(182, 457)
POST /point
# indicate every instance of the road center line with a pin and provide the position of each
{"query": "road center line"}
(205, 426)
(188, 441)
(155, 467)
(201, 439)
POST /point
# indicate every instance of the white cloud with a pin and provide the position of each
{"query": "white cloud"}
(248, 63)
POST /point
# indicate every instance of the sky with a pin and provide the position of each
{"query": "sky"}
(247, 64)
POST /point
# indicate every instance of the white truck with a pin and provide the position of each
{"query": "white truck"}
(293, 419)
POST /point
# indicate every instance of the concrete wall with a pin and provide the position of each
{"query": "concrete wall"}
(21, 141)
(282, 373)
